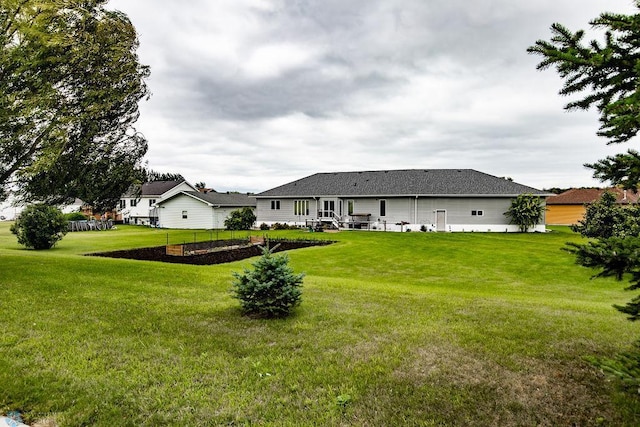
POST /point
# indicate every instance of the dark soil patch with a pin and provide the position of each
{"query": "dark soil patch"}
(158, 253)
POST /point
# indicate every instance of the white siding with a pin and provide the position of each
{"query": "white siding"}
(199, 214)
(265, 214)
(183, 186)
(415, 212)
(220, 215)
(142, 210)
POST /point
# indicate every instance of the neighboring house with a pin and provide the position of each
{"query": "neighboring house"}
(194, 209)
(142, 209)
(396, 200)
(569, 207)
(77, 206)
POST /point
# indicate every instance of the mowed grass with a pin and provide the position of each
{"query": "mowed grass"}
(394, 329)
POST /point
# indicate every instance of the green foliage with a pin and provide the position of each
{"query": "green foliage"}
(621, 169)
(555, 190)
(630, 225)
(240, 219)
(75, 216)
(616, 252)
(526, 211)
(40, 226)
(70, 83)
(601, 218)
(284, 226)
(625, 367)
(271, 289)
(616, 256)
(152, 176)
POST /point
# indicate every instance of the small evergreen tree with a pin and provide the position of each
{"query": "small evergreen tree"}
(240, 219)
(526, 211)
(40, 226)
(271, 289)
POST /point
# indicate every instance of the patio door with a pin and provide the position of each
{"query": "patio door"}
(328, 208)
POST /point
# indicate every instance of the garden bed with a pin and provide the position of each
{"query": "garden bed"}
(226, 251)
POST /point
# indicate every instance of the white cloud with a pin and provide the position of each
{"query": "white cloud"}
(250, 94)
(274, 60)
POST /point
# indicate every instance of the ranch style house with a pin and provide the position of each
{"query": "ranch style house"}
(396, 200)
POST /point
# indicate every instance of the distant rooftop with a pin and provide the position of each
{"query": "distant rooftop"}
(582, 196)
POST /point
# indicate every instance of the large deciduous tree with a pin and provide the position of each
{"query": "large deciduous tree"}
(70, 83)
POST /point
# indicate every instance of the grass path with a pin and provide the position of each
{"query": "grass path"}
(394, 329)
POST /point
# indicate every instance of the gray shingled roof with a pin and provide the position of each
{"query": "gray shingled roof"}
(220, 199)
(426, 182)
(158, 188)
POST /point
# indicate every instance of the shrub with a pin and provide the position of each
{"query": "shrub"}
(75, 216)
(284, 226)
(40, 226)
(264, 226)
(526, 211)
(271, 289)
(604, 218)
(240, 219)
(600, 218)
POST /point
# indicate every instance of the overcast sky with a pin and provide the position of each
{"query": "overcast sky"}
(251, 94)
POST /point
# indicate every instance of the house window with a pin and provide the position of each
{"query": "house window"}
(123, 203)
(477, 213)
(301, 207)
(275, 205)
(383, 208)
(350, 204)
(152, 202)
(133, 203)
(184, 214)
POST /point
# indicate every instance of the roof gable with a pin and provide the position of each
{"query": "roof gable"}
(451, 182)
(158, 188)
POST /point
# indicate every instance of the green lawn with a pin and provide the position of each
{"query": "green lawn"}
(394, 329)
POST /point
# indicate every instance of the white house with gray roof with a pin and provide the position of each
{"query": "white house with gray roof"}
(396, 200)
(193, 209)
(141, 209)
